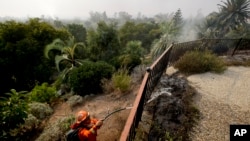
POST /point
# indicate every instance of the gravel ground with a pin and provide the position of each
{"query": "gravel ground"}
(223, 99)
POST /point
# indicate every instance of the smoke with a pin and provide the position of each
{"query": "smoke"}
(189, 31)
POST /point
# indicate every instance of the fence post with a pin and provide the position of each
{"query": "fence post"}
(237, 46)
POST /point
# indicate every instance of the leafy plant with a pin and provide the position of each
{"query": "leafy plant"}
(121, 80)
(43, 93)
(40, 110)
(21, 46)
(168, 137)
(199, 62)
(103, 43)
(127, 61)
(87, 78)
(71, 55)
(233, 13)
(14, 110)
(134, 48)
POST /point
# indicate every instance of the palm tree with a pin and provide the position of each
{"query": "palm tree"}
(70, 54)
(208, 27)
(233, 13)
(170, 33)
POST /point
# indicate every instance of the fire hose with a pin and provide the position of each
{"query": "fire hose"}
(115, 111)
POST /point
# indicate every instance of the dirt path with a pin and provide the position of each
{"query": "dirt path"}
(223, 99)
(99, 106)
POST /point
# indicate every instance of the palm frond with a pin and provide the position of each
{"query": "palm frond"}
(79, 61)
(57, 44)
(60, 58)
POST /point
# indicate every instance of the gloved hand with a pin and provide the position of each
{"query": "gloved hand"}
(99, 123)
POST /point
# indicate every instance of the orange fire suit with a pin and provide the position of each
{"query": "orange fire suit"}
(87, 134)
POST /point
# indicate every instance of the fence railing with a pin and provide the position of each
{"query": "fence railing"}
(170, 55)
(149, 81)
(217, 46)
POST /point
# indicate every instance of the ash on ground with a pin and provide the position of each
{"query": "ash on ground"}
(169, 114)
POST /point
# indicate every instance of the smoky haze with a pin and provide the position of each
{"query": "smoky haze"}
(68, 9)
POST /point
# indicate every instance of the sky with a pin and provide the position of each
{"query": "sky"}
(70, 9)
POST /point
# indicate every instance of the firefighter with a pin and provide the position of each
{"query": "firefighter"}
(88, 126)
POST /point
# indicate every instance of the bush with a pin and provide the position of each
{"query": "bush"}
(14, 110)
(87, 78)
(199, 62)
(57, 130)
(74, 100)
(128, 61)
(27, 130)
(22, 45)
(43, 93)
(121, 80)
(40, 110)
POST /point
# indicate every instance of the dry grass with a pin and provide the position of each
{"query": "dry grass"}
(113, 127)
(238, 63)
(237, 60)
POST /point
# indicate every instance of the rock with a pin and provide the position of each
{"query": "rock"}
(40, 110)
(75, 100)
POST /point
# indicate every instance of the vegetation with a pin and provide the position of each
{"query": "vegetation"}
(43, 93)
(84, 54)
(72, 55)
(14, 109)
(78, 31)
(86, 79)
(230, 21)
(171, 30)
(144, 32)
(199, 62)
(121, 80)
(103, 43)
(22, 61)
(238, 63)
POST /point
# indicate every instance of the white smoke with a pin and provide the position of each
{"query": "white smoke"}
(189, 30)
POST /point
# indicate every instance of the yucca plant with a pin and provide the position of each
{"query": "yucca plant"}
(72, 54)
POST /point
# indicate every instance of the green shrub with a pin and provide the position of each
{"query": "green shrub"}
(43, 93)
(199, 62)
(14, 110)
(57, 130)
(87, 78)
(26, 130)
(121, 80)
(40, 110)
(128, 61)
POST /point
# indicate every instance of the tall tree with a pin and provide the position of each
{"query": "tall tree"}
(144, 32)
(177, 19)
(233, 13)
(78, 31)
(208, 27)
(103, 42)
(171, 31)
(22, 63)
(134, 48)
